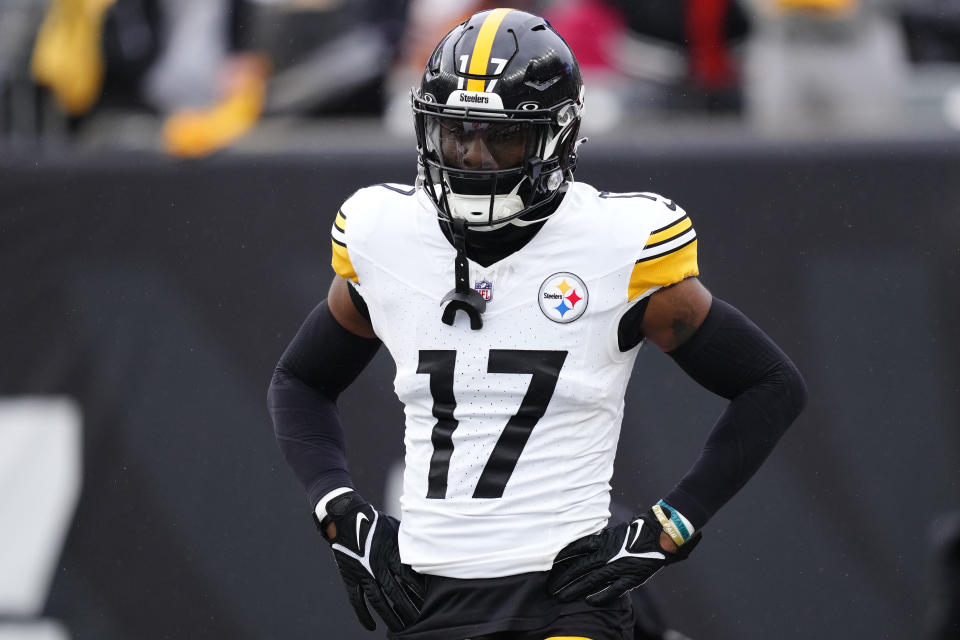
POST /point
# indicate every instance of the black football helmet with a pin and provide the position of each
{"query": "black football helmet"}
(497, 116)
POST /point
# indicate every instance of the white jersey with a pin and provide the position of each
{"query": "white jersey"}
(511, 430)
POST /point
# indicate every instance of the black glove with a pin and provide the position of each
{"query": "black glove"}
(605, 565)
(366, 552)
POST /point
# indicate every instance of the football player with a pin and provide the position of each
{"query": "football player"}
(525, 298)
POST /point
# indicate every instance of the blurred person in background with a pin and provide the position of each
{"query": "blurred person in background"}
(656, 58)
(68, 56)
(826, 65)
(22, 113)
(513, 381)
(294, 58)
(211, 69)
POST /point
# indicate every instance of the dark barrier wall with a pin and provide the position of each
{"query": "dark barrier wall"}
(159, 295)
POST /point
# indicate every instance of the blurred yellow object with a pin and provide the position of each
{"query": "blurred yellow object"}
(68, 55)
(817, 6)
(199, 132)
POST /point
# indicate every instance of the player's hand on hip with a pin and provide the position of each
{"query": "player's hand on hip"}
(604, 566)
(365, 549)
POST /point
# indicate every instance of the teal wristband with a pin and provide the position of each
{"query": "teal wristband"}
(682, 525)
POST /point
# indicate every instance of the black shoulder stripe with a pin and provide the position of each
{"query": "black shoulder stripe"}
(405, 192)
(612, 196)
(667, 226)
(666, 253)
(342, 244)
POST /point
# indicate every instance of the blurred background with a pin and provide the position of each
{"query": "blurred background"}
(169, 170)
(191, 77)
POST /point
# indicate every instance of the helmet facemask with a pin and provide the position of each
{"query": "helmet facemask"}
(490, 167)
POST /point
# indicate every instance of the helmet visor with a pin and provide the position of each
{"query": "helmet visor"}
(490, 144)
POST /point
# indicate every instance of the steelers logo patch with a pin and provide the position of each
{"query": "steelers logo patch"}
(563, 297)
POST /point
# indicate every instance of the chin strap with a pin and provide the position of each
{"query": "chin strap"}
(463, 297)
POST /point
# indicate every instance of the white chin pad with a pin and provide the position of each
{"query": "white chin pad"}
(477, 208)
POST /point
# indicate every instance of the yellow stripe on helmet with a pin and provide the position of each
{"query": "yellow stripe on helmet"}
(483, 46)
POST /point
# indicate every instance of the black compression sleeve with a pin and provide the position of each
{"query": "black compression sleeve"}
(320, 362)
(732, 357)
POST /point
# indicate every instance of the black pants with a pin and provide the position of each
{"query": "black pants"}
(512, 608)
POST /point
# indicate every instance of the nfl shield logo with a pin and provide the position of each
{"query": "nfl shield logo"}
(485, 288)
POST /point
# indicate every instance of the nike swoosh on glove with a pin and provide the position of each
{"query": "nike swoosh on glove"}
(365, 549)
(603, 566)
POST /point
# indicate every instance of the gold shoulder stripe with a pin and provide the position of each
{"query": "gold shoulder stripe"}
(670, 231)
(341, 262)
(663, 270)
(341, 257)
(482, 47)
